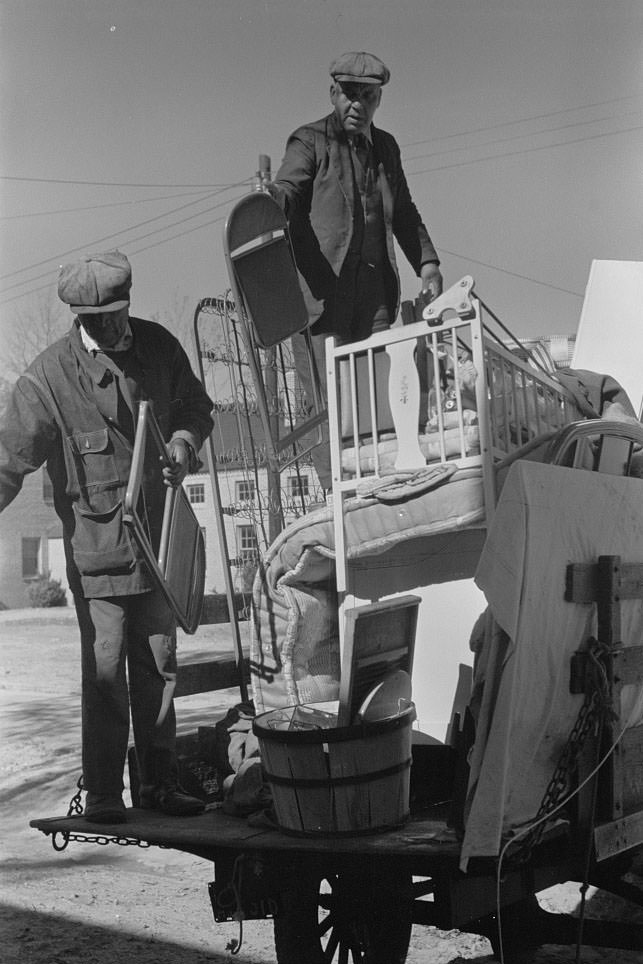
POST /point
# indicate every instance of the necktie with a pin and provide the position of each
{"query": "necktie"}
(362, 150)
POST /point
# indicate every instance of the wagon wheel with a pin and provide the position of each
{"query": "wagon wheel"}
(349, 918)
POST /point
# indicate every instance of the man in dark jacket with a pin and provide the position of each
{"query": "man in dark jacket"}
(346, 198)
(75, 409)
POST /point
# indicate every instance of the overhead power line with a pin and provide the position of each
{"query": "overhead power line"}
(526, 150)
(47, 274)
(514, 274)
(516, 137)
(59, 180)
(96, 207)
(520, 120)
(454, 254)
(108, 237)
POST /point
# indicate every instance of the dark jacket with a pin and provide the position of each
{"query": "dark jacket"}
(315, 187)
(593, 391)
(67, 411)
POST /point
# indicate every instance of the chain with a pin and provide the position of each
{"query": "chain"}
(595, 707)
(101, 839)
(60, 838)
(75, 807)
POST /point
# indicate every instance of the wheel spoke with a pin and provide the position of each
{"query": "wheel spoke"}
(339, 920)
(329, 921)
(331, 947)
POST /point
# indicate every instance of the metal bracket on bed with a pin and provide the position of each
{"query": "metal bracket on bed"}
(457, 299)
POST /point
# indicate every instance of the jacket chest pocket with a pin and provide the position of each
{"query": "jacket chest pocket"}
(94, 461)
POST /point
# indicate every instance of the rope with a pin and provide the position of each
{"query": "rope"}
(234, 887)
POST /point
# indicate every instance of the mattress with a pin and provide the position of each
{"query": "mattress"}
(294, 651)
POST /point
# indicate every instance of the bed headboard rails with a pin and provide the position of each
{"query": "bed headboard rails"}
(441, 390)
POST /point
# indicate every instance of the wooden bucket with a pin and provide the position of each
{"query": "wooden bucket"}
(346, 780)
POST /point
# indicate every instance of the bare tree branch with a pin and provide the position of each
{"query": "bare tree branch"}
(34, 329)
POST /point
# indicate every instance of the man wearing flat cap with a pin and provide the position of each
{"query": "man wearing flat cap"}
(75, 410)
(346, 199)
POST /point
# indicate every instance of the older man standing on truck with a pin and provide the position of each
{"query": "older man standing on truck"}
(75, 409)
(346, 198)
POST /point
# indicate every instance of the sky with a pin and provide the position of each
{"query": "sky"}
(138, 123)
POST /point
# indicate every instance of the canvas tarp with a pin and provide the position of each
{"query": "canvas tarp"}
(547, 517)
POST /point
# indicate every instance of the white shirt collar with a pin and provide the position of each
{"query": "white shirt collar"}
(124, 342)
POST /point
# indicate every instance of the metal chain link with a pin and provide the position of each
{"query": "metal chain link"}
(60, 838)
(75, 804)
(595, 707)
(101, 839)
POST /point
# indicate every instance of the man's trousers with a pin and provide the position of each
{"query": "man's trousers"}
(128, 658)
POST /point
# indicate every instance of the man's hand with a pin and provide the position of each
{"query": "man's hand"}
(431, 279)
(179, 451)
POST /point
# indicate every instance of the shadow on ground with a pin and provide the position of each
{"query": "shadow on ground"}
(23, 932)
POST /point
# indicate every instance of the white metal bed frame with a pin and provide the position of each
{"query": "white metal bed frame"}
(518, 407)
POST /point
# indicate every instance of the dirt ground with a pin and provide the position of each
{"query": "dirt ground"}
(99, 904)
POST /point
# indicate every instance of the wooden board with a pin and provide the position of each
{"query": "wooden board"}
(214, 832)
(379, 639)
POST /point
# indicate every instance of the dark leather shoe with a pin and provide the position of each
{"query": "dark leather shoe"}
(172, 800)
(104, 808)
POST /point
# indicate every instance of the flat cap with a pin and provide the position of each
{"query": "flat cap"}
(358, 66)
(96, 283)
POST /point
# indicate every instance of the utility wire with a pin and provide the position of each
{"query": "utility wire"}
(410, 174)
(95, 207)
(514, 274)
(155, 244)
(527, 150)
(515, 137)
(58, 180)
(106, 237)
(166, 227)
(181, 234)
(520, 120)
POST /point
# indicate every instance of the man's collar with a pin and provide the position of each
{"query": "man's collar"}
(368, 134)
(123, 344)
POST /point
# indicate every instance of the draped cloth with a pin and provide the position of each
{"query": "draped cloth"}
(547, 517)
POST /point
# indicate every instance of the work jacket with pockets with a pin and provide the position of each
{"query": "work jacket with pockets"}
(70, 411)
(315, 186)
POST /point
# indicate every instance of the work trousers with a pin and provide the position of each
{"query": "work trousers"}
(127, 639)
(357, 309)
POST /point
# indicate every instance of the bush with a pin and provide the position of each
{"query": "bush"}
(45, 592)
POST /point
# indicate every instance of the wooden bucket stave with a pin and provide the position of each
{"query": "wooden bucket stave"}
(347, 780)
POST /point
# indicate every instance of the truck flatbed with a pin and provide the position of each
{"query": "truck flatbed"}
(209, 834)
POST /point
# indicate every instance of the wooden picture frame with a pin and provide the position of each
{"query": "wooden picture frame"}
(178, 568)
(379, 639)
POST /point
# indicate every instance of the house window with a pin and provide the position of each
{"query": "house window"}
(245, 490)
(30, 557)
(247, 543)
(47, 489)
(196, 493)
(297, 486)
